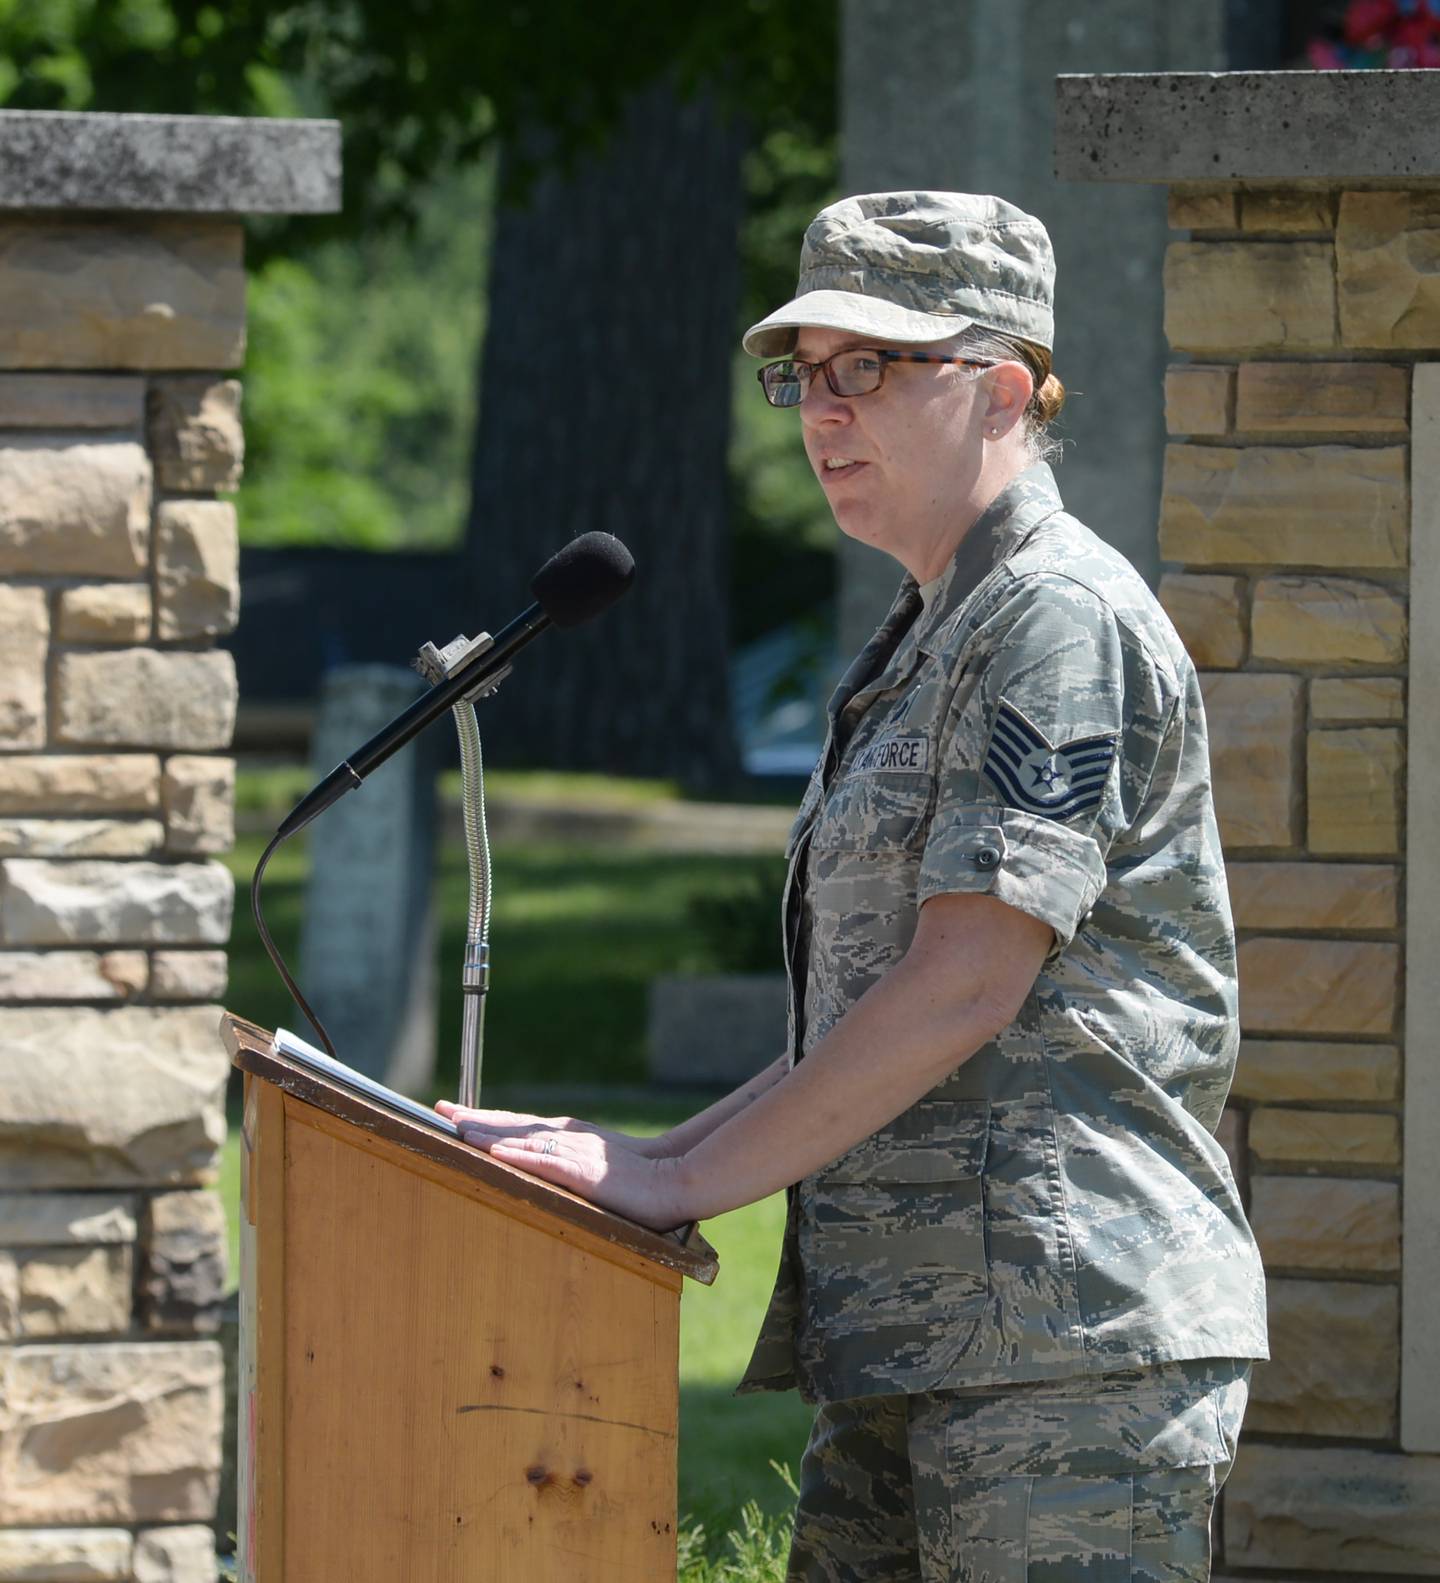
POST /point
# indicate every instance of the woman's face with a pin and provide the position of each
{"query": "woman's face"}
(901, 465)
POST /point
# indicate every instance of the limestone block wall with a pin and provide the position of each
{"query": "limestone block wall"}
(1298, 520)
(120, 436)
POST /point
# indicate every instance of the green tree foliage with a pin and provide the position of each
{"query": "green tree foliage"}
(419, 86)
(360, 380)
(360, 375)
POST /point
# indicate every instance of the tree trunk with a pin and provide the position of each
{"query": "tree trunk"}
(604, 404)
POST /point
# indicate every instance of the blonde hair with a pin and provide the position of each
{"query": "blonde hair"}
(992, 346)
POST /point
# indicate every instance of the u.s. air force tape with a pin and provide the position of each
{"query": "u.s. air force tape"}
(894, 753)
(1039, 776)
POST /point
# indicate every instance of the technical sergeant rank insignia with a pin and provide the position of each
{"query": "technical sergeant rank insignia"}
(1035, 775)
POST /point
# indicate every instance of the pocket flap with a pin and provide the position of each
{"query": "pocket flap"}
(938, 1140)
(873, 812)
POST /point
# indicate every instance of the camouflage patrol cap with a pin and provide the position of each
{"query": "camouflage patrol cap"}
(918, 266)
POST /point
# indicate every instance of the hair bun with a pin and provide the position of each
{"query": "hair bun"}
(1049, 399)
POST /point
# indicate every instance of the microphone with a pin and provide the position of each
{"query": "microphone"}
(579, 581)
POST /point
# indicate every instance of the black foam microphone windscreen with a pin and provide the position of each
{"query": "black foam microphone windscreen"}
(585, 577)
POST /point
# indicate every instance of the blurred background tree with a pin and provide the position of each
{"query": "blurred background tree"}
(642, 143)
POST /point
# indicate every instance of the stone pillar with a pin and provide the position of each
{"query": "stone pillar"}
(1301, 522)
(935, 94)
(122, 315)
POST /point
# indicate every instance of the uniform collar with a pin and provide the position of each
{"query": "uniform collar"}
(1004, 525)
(998, 532)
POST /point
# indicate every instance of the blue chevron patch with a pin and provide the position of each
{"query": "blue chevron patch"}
(1034, 774)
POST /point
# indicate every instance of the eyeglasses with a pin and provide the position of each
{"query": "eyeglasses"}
(858, 371)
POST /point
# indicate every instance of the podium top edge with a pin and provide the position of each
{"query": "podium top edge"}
(684, 1250)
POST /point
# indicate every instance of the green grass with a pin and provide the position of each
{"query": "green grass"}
(578, 932)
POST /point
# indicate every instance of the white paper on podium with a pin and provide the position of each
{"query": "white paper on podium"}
(287, 1044)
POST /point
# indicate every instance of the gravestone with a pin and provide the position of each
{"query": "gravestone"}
(367, 949)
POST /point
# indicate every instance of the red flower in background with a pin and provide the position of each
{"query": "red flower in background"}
(1399, 34)
(1366, 22)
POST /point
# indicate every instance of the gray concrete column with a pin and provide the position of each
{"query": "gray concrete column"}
(962, 97)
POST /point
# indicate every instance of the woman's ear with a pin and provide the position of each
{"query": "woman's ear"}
(1010, 386)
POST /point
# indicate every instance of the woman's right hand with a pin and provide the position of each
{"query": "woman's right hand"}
(512, 1123)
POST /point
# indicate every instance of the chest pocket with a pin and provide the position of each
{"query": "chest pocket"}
(879, 812)
(893, 1232)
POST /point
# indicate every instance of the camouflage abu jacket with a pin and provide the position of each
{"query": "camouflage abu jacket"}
(1058, 1205)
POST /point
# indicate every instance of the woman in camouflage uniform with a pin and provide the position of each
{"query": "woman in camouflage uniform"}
(1016, 1281)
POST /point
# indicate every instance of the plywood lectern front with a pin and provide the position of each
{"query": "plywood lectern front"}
(450, 1371)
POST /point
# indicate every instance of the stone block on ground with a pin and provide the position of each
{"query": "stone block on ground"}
(75, 1291)
(197, 569)
(81, 837)
(1365, 1514)
(24, 639)
(1250, 296)
(175, 1555)
(715, 1031)
(1318, 986)
(146, 698)
(1209, 615)
(1304, 505)
(367, 948)
(1322, 398)
(96, 1098)
(1386, 284)
(1334, 1364)
(109, 1433)
(1324, 1137)
(1339, 620)
(183, 1262)
(73, 975)
(199, 798)
(1278, 1070)
(1312, 895)
(1326, 1223)
(196, 436)
(91, 783)
(1356, 700)
(71, 401)
(73, 508)
(99, 903)
(188, 975)
(1199, 399)
(52, 1220)
(145, 294)
(1254, 724)
(1354, 791)
(104, 613)
(66, 1555)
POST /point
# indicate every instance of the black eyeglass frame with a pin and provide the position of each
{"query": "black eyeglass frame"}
(885, 355)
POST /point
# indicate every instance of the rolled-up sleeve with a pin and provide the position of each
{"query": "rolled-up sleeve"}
(1032, 864)
(1047, 754)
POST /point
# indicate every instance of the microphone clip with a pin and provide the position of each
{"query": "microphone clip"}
(439, 665)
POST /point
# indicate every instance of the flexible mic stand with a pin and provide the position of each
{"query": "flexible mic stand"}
(437, 665)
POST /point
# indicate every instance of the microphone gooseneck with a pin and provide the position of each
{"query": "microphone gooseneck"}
(580, 581)
(574, 585)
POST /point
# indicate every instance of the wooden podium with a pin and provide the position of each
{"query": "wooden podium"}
(450, 1372)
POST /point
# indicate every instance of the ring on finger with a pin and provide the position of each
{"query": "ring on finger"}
(549, 1146)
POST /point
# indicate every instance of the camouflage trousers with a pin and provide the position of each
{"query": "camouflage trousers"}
(1109, 1478)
